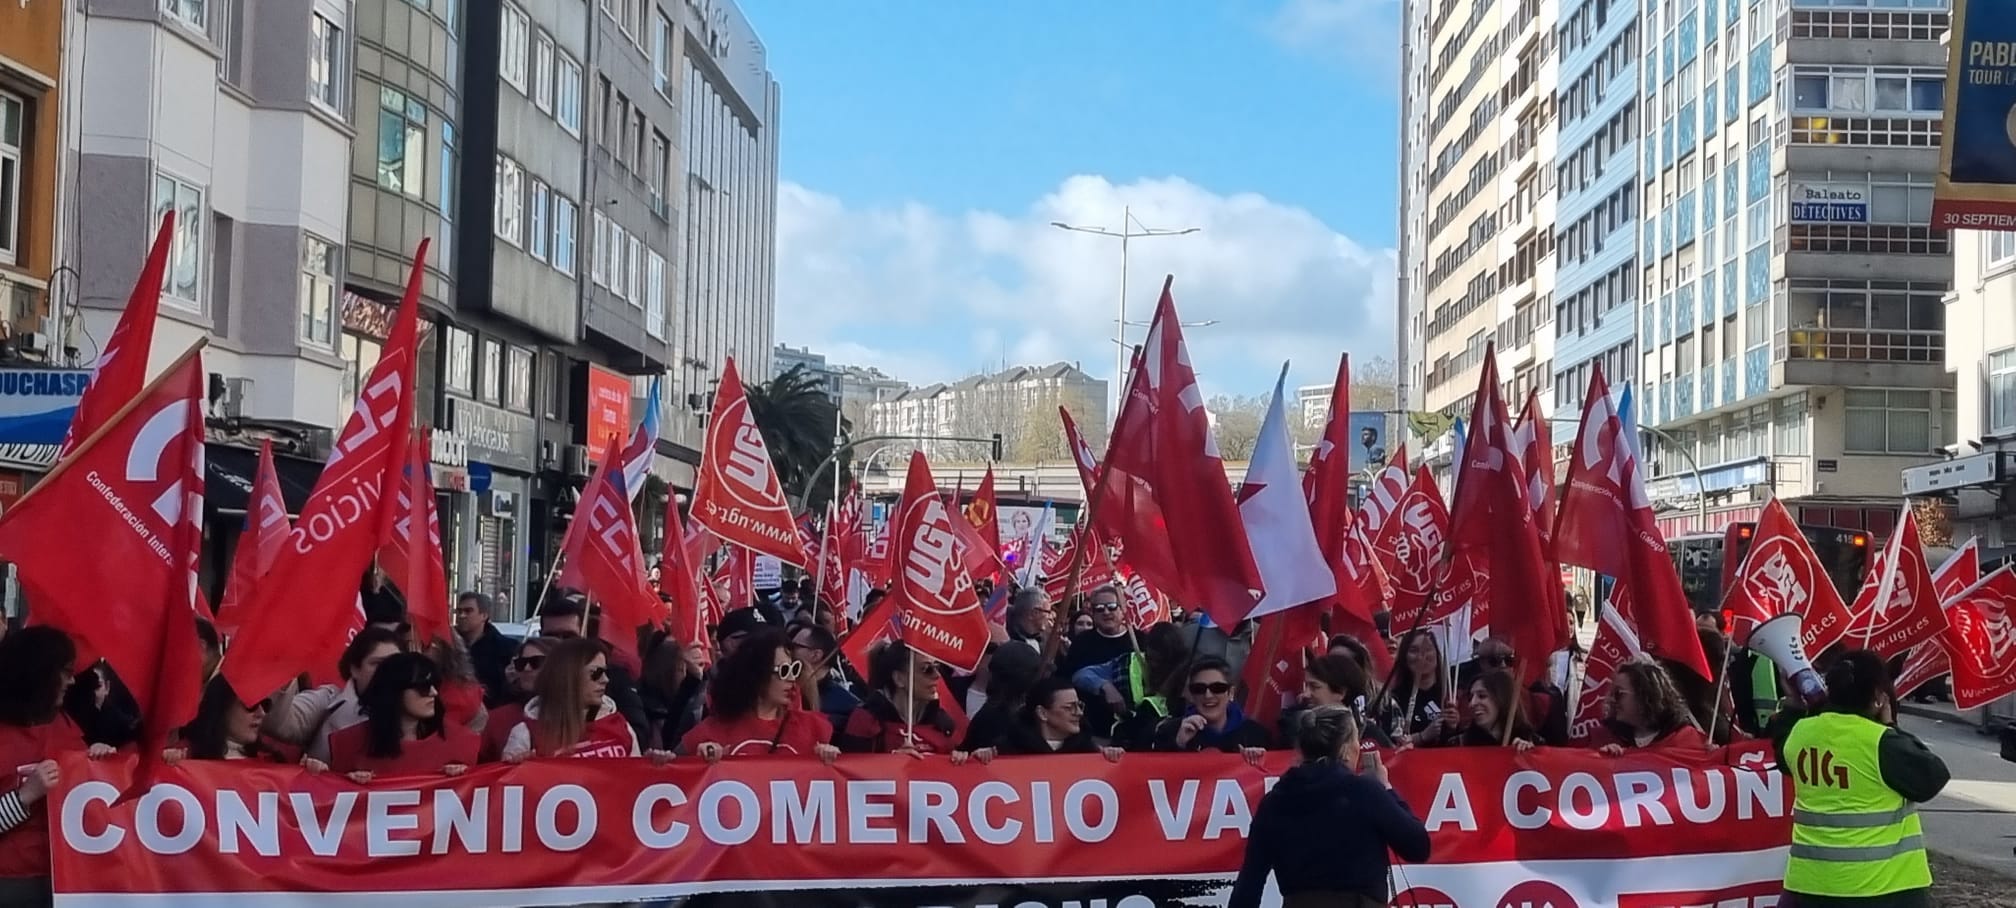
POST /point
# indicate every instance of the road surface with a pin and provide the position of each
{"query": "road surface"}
(1974, 819)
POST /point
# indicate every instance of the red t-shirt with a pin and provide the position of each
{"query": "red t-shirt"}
(609, 736)
(425, 756)
(461, 701)
(1685, 737)
(497, 731)
(24, 850)
(802, 730)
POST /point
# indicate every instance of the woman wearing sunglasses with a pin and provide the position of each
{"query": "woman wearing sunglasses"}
(521, 673)
(1053, 722)
(1212, 721)
(406, 730)
(902, 715)
(759, 706)
(572, 714)
(226, 729)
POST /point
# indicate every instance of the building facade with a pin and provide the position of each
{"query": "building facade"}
(1018, 403)
(786, 357)
(1981, 357)
(1790, 325)
(31, 109)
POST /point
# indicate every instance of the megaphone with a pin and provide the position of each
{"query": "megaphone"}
(1781, 640)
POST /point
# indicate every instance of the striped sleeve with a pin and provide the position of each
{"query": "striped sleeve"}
(12, 812)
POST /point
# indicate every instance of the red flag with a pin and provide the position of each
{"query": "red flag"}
(1151, 553)
(106, 545)
(601, 544)
(983, 513)
(422, 580)
(1928, 661)
(978, 557)
(1606, 525)
(1534, 443)
(833, 563)
(1169, 483)
(940, 613)
(1382, 498)
(853, 530)
(1898, 606)
(679, 578)
(1326, 485)
(738, 495)
(307, 609)
(1145, 607)
(1961, 570)
(259, 544)
(1980, 640)
(121, 369)
(1615, 644)
(881, 622)
(1054, 565)
(1412, 544)
(875, 561)
(1781, 574)
(1491, 518)
(1273, 673)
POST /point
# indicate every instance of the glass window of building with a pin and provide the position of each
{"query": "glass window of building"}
(567, 96)
(13, 127)
(564, 218)
(325, 63)
(193, 13)
(600, 268)
(660, 174)
(510, 201)
(654, 296)
(318, 294)
(450, 155)
(402, 142)
(542, 73)
(458, 365)
(512, 52)
(183, 284)
(1887, 422)
(490, 380)
(2002, 391)
(633, 285)
(1998, 247)
(664, 44)
(518, 379)
(538, 239)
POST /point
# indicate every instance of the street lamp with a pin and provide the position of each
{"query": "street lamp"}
(1127, 232)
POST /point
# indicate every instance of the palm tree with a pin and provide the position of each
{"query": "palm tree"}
(796, 419)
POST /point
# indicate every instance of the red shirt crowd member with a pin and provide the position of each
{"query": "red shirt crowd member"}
(1490, 713)
(759, 707)
(520, 674)
(405, 729)
(226, 729)
(902, 714)
(572, 716)
(35, 673)
(313, 715)
(1646, 710)
(461, 693)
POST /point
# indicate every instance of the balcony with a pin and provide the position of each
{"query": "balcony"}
(1859, 357)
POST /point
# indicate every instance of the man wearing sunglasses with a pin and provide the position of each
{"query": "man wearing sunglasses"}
(1105, 642)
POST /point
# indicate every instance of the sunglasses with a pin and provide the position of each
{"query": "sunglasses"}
(598, 674)
(1215, 688)
(1105, 606)
(928, 669)
(1075, 706)
(528, 663)
(789, 671)
(424, 686)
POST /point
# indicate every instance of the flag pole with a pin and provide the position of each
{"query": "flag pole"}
(551, 573)
(825, 539)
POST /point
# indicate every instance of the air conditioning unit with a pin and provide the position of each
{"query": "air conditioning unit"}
(232, 404)
(575, 461)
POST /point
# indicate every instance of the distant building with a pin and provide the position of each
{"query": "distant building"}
(1019, 403)
(785, 358)
(1315, 403)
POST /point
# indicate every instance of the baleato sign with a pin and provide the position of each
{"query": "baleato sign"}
(1830, 203)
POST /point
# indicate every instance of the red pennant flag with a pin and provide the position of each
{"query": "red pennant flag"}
(1928, 661)
(679, 578)
(1615, 644)
(984, 514)
(1898, 606)
(853, 531)
(1534, 442)
(940, 613)
(121, 369)
(1492, 519)
(978, 557)
(1606, 525)
(738, 495)
(1980, 640)
(1326, 485)
(1383, 496)
(1168, 482)
(307, 609)
(1151, 553)
(259, 544)
(106, 545)
(833, 562)
(601, 545)
(423, 580)
(1781, 574)
(1412, 544)
(880, 623)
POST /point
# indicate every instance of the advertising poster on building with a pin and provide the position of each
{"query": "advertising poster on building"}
(608, 410)
(36, 404)
(1368, 440)
(1977, 160)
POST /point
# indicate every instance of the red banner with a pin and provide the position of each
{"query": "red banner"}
(1646, 829)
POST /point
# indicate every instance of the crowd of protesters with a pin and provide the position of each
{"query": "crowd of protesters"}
(771, 682)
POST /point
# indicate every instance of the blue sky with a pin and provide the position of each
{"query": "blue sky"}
(927, 145)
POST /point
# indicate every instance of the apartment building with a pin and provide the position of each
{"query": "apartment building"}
(1411, 295)
(1791, 328)
(635, 57)
(31, 107)
(1489, 248)
(1981, 357)
(1019, 403)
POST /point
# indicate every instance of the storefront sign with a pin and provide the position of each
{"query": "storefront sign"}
(33, 457)
(608, 411)
(494, 436)
(36, 404)
(447, 449)
(1830, 203)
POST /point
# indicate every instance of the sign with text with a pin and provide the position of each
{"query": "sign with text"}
(607, 415)
(1976, 188)
(494, 435)
(36, 405)
(1830, 203)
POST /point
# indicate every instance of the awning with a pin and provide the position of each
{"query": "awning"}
(227, 488)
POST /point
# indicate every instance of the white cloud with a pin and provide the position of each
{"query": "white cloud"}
(930, 295)
(1362, 35)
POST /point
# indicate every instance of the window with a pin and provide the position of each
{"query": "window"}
(518, 379)
(542, 73)
(567, 96)
(510, 201)
(185, 258)
(601, 250)
(460, 360)
(660, 174)
(318, 294)
(563, 234)
(13, 129)
(1888, 422)
(633, 285)
(490, 381)
(449, 177)
(325, 63)
(193, 13)
(513, 35)
(539, 241)
(605, 111)
(664, 44)
(2002, 391)
(654, 297)
(1998, 247)
(402, 140)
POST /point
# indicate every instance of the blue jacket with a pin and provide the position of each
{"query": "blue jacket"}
(1324, 828)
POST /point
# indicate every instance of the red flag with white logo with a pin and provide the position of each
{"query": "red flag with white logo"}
(1781, 574)
(1898, 606)
(601, 544)
(833, 564)
(259, 544)
(977, 557)
(738, 495)
(1928, 661)
(1388, 488)
(121, 369)
(735, 580)
(1615, 644)
(1145, 607)
(106, 545)
(1980, 640)
(1326, 488)
(875, 560)
(1412, 543)
(307, 610)
(1169, 482)
(941, 615)
(1606, 524)
(422, 580)
(680, 580)
(1534, 442)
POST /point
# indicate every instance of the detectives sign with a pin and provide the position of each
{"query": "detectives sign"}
(1830, 203)
(497, 437)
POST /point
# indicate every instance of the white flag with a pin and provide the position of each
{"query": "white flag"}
(1292, 569)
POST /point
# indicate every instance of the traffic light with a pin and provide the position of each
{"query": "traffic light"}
(997, 446)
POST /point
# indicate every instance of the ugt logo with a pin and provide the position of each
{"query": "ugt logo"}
(145, 459)
(928, 563)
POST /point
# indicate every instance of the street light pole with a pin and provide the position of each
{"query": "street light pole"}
(1125, 234)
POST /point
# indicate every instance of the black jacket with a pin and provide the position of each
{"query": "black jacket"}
(1296, 834)
(1239, 734)
(489, 654)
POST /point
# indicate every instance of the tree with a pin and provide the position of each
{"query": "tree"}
(1375, 385)
(796, 419)
(1236, 422)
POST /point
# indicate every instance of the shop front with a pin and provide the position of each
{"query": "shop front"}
(490, 538)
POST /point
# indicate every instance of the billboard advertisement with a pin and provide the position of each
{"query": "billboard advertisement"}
(36, 404)
(1977, 160)
(608, 411)
(1368, 441)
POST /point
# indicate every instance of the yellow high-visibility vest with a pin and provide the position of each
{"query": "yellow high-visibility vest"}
(1852, 836)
